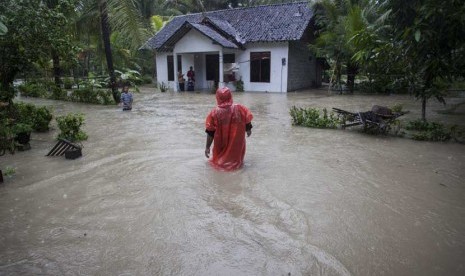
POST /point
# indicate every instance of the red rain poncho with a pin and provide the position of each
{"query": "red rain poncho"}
(228, 121)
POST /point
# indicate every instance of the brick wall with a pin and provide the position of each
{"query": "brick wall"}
(301, 67)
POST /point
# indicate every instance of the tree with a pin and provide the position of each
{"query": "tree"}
(431, 37)
(32, 28)
(333, 20)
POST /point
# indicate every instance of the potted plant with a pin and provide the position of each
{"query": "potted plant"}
(22, 133)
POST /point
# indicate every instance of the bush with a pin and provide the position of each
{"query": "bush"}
(85, 95)
(147, 79)
(312, 117)
(429, 131)
(58, 93)
(68, 83)
(30, 89)
(162, 86)
(42, 119)
(240, 85)
(397, 108)
(38, 117)
(21, 128)
(70, 127)
(106, 97)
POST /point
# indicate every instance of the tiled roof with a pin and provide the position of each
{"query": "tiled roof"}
(215, 36)
(280, 22)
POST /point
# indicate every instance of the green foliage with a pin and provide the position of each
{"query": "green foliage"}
(85, 95)
(105, 97)
(68, 83)
(38, 117)
(397, 108)
(429, 131)
(163, 87)
(147, 79)
(129, 77)
(58, 93)
(240, 85)
(33, 89)
(70, 127)
(312, 117)
(9, 171)
(33, 30)
(21, 128)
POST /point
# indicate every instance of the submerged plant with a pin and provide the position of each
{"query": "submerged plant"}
(312, 117)
(70, 127)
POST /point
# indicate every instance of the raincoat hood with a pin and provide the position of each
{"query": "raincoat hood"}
(224, 97)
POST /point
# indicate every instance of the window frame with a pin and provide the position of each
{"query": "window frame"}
(262, 60)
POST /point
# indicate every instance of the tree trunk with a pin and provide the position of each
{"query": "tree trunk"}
(56, 67)
(351, 73)
(423, 108)
(106, 44)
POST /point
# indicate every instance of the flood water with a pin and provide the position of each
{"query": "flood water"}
(143, 199)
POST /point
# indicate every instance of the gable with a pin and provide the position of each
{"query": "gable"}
(195, 42)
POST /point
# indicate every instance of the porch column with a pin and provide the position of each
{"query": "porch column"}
(175, 61)
(221, 81)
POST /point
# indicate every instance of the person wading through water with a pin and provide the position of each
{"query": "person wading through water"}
(226, 126)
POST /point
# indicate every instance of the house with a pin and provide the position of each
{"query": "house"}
(265, 46)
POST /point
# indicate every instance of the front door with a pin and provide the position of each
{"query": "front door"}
(213, 67)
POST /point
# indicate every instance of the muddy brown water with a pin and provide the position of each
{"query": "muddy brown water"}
(144, 201)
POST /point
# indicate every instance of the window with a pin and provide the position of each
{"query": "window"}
(171, 66)
(260, 63)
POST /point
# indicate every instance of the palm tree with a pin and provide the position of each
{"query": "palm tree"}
(333, 19)
(121, 15)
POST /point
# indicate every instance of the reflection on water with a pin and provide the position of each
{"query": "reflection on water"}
(144, 201)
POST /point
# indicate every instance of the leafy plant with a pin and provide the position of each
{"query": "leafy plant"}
(163, 87)
(42, 119)
(429, 131)
(21, 128)
(105, 97)
(397, 108)
(68, 83)
(58, 93)
(70, 127)
(33, 90)
(9, 171)
(85, 95)
(37, 117)
(240, 85)
(312, 117)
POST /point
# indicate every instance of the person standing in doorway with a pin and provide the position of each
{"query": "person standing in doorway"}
(226, 126)
(190, 79)
(181, 80)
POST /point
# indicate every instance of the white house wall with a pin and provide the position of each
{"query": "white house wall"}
(278, 77)
(195, 42)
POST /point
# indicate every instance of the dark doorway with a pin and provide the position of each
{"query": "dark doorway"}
(213, 67)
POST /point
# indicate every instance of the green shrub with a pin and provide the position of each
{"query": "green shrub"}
(397, 108)
(68, 83)
(42, 119)
(32, 89)
(106, 97)
(146, 79)
(38, 117)
(240, 85)
(85, 95)
(162, 86)
(429, 131)
(70, 127)
(312, 117)
(58, 93)
(21, 128)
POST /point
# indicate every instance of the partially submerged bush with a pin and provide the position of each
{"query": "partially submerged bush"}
(429, 131)
(38, 117)
(312, 117)
(70, 127)
(33, 89)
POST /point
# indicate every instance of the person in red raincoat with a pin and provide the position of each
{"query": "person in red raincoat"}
(226, 126)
